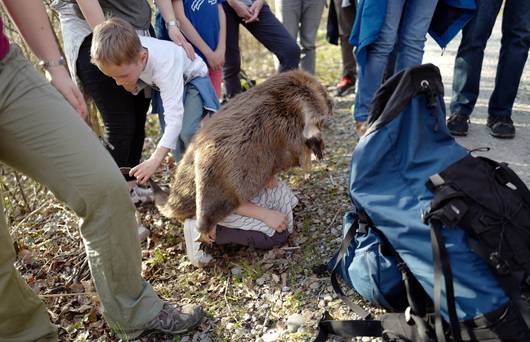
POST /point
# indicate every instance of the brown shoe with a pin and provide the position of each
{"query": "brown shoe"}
(173, 320)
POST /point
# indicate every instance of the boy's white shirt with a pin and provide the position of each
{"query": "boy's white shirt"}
(168, 68)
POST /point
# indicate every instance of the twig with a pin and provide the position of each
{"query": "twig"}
(24, 198)
(289, 248)
(224, 295)
(29, 215)
(53, 295)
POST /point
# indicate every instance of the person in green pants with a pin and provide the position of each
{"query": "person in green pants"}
(42, 136)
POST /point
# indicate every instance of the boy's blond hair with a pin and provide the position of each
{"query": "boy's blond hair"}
(115, 42)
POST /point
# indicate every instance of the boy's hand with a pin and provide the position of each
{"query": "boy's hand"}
(144, 170)
(178, 38)
(276, 220)
(60, 79)
(242, 10)
(255, 9)
(216, 59)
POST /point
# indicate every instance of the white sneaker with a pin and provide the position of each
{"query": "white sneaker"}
(193, 249)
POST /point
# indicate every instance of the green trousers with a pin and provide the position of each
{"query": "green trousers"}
(43, 137)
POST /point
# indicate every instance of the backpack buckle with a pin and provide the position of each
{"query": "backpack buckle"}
(408, 316)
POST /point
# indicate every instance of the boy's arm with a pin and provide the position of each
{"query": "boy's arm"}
(166, 10)
(221, 44)
(272, 218)
(191, 33)
(32, 21)
(92, 12)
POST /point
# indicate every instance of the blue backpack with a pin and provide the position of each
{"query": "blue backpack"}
(408, 237)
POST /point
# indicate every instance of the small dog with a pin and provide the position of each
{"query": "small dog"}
(270, 128)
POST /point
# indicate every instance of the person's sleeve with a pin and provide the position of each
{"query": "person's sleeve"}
(170, 80)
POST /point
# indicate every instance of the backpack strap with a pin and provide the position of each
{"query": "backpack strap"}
(359, 311)
(441, 264)
(347, 328)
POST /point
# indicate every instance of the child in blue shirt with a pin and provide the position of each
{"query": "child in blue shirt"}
(204, 25)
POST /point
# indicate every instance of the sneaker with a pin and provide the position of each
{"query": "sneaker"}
(193, 248)
(173, 319)
(346, 85)
(360, 128)
(458, 124)
(141, 196)
(501, 127)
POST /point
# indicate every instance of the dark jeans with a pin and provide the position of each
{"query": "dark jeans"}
(249, 238)
(514, 52)
(123, 113)
(269, 31)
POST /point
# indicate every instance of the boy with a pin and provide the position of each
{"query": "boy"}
(134, 62)
(266, 221)
(204, 24)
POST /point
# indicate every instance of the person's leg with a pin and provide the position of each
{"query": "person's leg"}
(309, 22)
(232, 65)
(273, 35)
(119, 108)
(249, 238)
(289, 13)
(371, 74)
(191, 121)
(43, 137)
(513, 55)
(415, 21)
(345, 18)
(469, 57)
(23, 316)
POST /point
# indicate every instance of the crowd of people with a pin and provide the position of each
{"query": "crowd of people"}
(124, 64)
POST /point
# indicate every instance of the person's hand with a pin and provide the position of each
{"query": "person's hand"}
(276, 220)
(255, 9)
(178, 38)
(61, 80)
(242, 10)
(272, 183)
(145, 170)
(216, 59)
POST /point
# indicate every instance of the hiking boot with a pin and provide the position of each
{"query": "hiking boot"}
(501, 126)
(345, 86)
(458, 124)
(360, 128)
(173, 319)
(196, 255)
(141, 196)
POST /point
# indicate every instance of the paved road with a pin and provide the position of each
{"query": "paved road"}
(516, 152)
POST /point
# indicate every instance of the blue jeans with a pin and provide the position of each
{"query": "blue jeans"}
(406, 24)
(269, 31)
(191, 121)
(514, 52)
